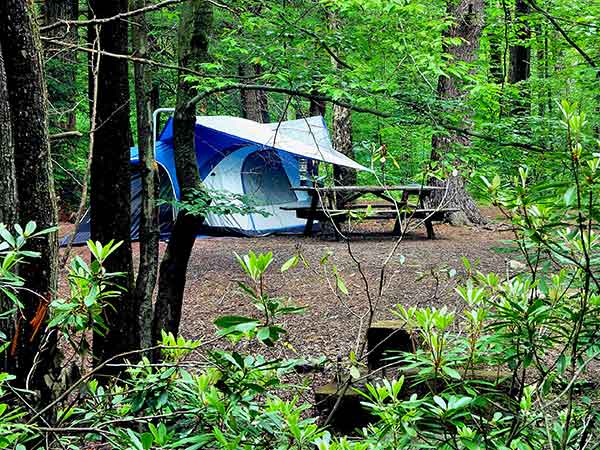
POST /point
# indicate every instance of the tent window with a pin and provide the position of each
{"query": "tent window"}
(265, 180)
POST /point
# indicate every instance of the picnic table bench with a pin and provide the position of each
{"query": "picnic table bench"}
(338, 203)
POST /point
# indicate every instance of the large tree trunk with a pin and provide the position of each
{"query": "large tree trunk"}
(21, 48)
(520, 57)
(149, 234)
(193, 50)
(8, 199)
(8, 183)
(342, 142)
(342, 129)
(110, 202)
(468, 22)
(254, 104)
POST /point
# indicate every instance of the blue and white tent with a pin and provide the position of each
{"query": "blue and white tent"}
(261, 161)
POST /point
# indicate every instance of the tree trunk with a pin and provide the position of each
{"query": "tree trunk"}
(8, 183)
(8, 200)
(193, 50)
(149, 234)
(21, 48)
(468, 21)
(316, 108)
(254, 104)
(110, 201)
(342, 129)
(520, 57)
(342, 142)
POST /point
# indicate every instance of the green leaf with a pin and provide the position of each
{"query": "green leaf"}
(29, 228)
(232, 321)
(341, 285)
(290, 263)
(264, 333)
(5, 234)
(440, 402)
(570, 196)
(147, 440)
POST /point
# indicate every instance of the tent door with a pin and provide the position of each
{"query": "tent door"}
(266, 182)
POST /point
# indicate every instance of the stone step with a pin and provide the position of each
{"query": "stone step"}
(384, 336)
(350, 414)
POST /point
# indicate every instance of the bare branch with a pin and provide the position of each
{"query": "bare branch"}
(125, 15)
(65, 134)
(122, 56)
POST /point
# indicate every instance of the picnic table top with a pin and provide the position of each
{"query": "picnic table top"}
(367, 189)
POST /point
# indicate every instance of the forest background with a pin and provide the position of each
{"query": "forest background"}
(463, 93)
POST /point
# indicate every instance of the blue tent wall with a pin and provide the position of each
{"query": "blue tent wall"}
(164, 157)
(165, 211)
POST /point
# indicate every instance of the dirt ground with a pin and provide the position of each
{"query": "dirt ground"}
(330, 325)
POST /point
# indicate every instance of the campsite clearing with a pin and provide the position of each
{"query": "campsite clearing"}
(328, 327)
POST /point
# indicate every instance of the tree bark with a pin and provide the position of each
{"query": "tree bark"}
(468, 22)
(21, 48)
(149, 233)
(110, 201)
(316, 108)
(341, 129)
(193, 49)
(8, 182)
(254, 104)
(342, 142)
(8, 199)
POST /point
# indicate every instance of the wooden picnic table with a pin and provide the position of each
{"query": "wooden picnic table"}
(339, 201)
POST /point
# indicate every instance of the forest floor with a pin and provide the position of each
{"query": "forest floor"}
(331, 323)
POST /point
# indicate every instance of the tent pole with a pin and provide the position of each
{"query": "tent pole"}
(155, 115)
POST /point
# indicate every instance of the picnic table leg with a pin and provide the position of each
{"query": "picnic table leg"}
(429, 227)
(397, 229)
(402, 203)
(311, 214)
